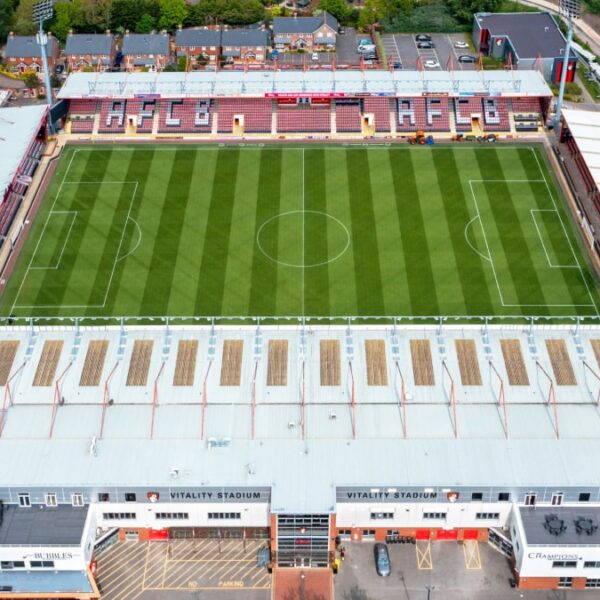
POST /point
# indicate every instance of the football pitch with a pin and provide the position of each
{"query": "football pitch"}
(301, 231)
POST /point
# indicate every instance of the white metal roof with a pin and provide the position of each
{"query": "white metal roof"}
(585, 128)
(341, 82)
(18, 126)
(150, 429)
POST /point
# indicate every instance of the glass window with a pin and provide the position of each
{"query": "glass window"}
(24, 500)
(51, 499)
(77, 499)
(503, 497)
(584, 497)
(476, 496)
(130, 497)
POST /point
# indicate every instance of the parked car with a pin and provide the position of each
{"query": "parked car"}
(341, 30)
(397, 65)
(431, 64)
(366, 48)
(365, 42)
(466, 58)
(422, 37)
(424, 45)
(462, 45)
(382, 560)
(370, 57)
(314, 57)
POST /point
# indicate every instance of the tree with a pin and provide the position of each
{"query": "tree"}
(126, 14)
(31, 80)
(368, 15)
(182, 63)
(6, 20)
(146, 24)
(24, 24)
(96, 14)
(172, 13)
(63, 20)
(338, 8)
(463, 10)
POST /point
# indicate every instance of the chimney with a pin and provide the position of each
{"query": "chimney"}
(11, 34)
(127, 32)
(108, 32)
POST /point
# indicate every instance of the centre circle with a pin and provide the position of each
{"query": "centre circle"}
(303, 238)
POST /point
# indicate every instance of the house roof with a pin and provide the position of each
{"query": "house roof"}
(151, 43)
(198, 37)
(303, 24)
(531, 34)
(26, 46)
(245, 37)
(89, 43)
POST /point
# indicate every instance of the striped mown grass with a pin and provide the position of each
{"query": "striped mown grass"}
(293, 231)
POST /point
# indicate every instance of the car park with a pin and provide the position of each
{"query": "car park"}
(425, 45)
(461, 45)
(382, 560)
(431, 64)
(466, 58)
(422, 37)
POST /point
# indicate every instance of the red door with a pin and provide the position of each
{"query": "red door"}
(470, 534)
(447, 534)
(158, 534)
(423, 534)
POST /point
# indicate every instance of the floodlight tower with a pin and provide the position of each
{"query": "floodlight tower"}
(42, 11)
(571, 9)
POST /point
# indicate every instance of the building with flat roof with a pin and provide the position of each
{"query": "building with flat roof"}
(306, 436)
(529, 39)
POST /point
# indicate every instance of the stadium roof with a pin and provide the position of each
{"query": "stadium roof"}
(585, 128)
(18, 126)
(303, 452)
(89, 43)
(531, 34)
(328, 83)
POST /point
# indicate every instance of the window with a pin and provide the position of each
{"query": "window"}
(103, 497)
(584, 497)
(227, 515)
(51, 500)
(41, 564)
(382, 515)
(24, 500)
(503, 497)
(130, 497)
(529, 499)
(77, 499)
(564, 564)
(368, 533)
(435, 515)
(12, 564)
(591, 564)
(557, 498)
(565, 582)
(487, 515)
(347, 532)
(592, 583)
(177, 515)
(476, 496)
(118, 516)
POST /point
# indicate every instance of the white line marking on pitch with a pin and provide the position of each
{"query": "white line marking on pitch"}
(303, 235)
(55, 267)
(138, 242)
(476, 218)
(537, 160)
(550, 264)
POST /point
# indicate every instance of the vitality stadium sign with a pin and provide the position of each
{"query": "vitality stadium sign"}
(392, 495)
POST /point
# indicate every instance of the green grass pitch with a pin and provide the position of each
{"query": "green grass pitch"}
(301, 231)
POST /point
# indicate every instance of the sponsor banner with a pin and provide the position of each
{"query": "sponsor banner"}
(146, 96)
(399, 494)
(306, 95)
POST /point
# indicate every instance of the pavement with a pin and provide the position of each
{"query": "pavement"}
(448, 571)
(405, 46)
(184, 569)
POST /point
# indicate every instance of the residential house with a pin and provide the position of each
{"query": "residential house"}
(530, 39)
(305, 33)
(90, 50)
(195, 43)
(23, 53)
(146, 51)
(245, 45)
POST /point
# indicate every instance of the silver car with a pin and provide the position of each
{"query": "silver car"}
(382, 560)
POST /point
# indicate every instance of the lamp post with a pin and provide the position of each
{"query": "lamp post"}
(571, 9)
(43, 11)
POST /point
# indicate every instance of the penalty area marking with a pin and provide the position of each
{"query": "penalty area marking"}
(533, 211)
(115, 260)
(506, 304)
(57, 212)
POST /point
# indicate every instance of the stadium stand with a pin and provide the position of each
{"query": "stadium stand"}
(185, 366)
(46, 369)
(496, 114)
(112, 116)
(376, 363)
(231, 363)
(422, 364)
(380, 109)
(465, 110)
(144, 109)
(330, 362)
(348, 115)
(256, 114)
(83, 107)
(82, 124)
(303, 118)
(277, 367)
